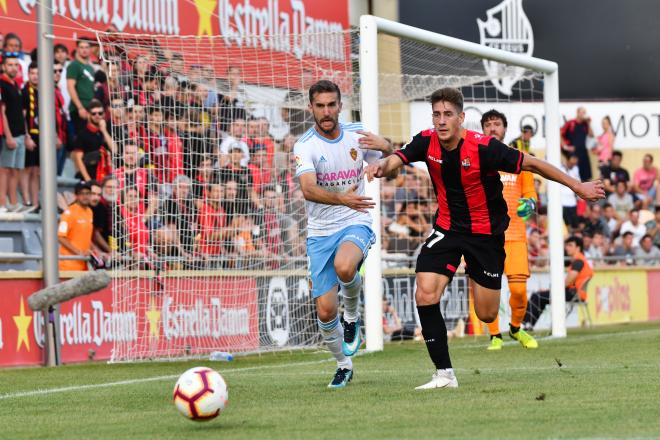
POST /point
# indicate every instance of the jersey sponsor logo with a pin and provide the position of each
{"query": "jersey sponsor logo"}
(466, 163)
(508, 28)
(434, 159)
(354, 154)
(339, 175)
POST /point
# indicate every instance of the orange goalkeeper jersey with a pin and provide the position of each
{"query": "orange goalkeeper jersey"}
(515, 187)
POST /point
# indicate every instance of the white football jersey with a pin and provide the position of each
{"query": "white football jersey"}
(338, 166)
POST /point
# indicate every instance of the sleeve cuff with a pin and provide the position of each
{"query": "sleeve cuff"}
(306, 170)
(402, 157)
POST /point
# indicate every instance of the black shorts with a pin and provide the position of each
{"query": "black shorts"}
(484, 256)
(32, 157)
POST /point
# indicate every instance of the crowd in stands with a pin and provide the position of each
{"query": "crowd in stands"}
(179, 172)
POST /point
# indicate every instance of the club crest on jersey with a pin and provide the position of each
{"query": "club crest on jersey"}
(354, 154)
(298, 161)
(466, 163)
(508, 28)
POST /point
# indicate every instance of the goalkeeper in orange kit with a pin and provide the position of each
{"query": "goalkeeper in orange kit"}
(521, 199)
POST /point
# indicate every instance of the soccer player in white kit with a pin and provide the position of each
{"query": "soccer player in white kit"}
(329, 165)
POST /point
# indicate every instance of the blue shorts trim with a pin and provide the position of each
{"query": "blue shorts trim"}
(321, 253)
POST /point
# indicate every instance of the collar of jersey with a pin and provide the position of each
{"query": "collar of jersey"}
(341, 135)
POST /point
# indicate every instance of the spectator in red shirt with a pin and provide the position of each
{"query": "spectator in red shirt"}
(164, 148)
(261, 171)
(574, 135)
(135, 225)
(212, 222)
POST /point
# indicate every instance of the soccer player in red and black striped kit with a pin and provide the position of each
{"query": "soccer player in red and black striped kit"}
(471, 217)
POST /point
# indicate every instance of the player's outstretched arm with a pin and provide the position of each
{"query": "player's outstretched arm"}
(372, 141)
(315, 193)
(388, 167)
(590, 191)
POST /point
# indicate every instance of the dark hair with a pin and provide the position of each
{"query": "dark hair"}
(493, 114)
(33, 65)
(528, 127)
(448, 94)
(606, 205)
(94, 183)
(324, 86)
(617, 153)
(60, 46)
(644, 237)
(12, 36)
(94, 103)
(100, 77)
(577, 241)
(83, 40)
(627, 233)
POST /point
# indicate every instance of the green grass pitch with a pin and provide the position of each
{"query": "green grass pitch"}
(597, 383)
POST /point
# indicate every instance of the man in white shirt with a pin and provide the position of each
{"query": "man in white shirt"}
(329, 165)
(635, 226)
(235, 140)
(568, 198)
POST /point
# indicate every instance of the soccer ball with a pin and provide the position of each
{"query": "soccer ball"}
(200, 394)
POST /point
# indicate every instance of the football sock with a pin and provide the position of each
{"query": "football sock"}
(518, 302)
(498, 335)
(333, 335)
(513, 329)
(351, 293)
(435, 335)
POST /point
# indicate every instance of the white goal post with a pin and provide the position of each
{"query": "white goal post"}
(370, 28)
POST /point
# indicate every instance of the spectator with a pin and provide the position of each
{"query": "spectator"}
(243, 243)
(76, 229)
(574, 135)
(522, 142)
(259, 138)
(394, 329)
(295, 111)
(235, 171)
(644, 182)
(212, 221)
(12, 155)
(100, 247)
(596, 222)
(611, 219)
(613, 173)
(61, 118)
(635, 226)
(177, 216)
(235, 140)
(12, 46)
(279, 229)
(621, 200)
(80, 85)
(232, 99)
(647, 254)
(93, 147)
(653, 227)
(605, 144)
(596, 250)
(164, 148)
(259, 168)
(135, 219)
(61, 57)
(624, 252)
(104, 212)
(568, 198)
(206, 175)
(177, 66)
(29, 175)
(579, 273)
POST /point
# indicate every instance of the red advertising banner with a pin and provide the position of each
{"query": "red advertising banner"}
(186, 316)
(270, 39)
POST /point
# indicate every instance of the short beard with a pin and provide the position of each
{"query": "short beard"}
(318, 124)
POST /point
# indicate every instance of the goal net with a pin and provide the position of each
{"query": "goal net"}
(209, 224)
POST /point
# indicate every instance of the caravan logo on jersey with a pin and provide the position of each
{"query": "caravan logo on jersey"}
(507, 28)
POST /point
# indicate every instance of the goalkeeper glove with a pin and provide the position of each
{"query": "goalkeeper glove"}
(526, 207)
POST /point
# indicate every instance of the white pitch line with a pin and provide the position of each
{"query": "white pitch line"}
(41, 392)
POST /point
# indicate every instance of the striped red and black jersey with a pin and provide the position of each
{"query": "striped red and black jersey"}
(466, 179)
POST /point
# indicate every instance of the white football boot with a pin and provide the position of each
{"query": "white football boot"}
(440, 379)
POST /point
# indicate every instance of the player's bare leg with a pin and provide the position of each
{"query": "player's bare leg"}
(430, 287)
(326, 307)
(347, 259)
